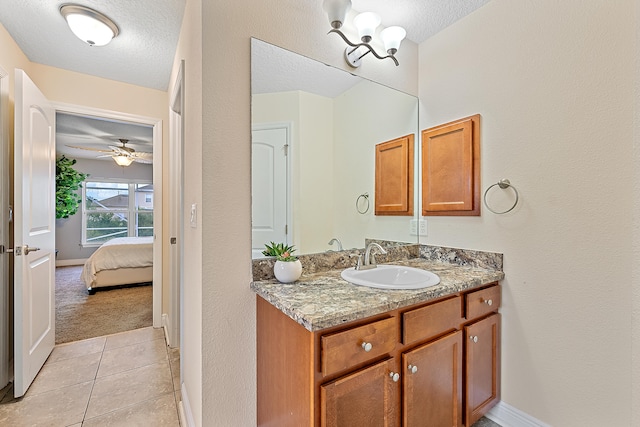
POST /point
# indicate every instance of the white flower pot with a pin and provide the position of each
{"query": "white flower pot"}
(287, 271)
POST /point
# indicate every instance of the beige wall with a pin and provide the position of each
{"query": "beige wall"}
(553, 82)
(189, 49)
(228, 305)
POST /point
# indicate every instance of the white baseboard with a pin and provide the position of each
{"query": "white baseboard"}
(186, 416)
(68, 262)
(508, 416)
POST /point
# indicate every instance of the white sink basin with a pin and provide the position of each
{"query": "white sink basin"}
(391, 277)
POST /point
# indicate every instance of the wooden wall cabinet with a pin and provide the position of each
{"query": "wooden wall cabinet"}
(435, 363)
(394, 177)
(451, 168)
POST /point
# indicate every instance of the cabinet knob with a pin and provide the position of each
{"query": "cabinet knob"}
(489, 302)
(412, 368)
(394, 376)
(367, 346)
(473, 338)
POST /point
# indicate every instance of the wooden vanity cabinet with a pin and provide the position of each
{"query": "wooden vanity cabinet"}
(406, 367)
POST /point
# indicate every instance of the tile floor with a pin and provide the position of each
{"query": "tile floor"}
(126, 379)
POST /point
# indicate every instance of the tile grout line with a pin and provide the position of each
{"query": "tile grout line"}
(93, 383)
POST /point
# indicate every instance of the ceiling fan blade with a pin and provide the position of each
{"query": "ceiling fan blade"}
(89, 149)
(142, 160)
(142, 155)
(119, 151)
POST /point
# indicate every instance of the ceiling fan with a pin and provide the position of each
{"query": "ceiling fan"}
(123, 155)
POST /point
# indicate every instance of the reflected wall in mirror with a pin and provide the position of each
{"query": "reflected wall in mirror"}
(314, 132)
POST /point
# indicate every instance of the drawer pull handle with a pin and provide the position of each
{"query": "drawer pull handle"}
(367, 346)
(489, 302)
(394, 376)
(412, 368)
(473, 338)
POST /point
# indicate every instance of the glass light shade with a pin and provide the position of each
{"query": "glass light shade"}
(123, 160)
(88, 25)
(336, 10)
(366, 23)
(391, 37)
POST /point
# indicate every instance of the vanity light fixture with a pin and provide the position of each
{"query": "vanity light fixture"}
(366, 24)
(122, 160)
(90, 26)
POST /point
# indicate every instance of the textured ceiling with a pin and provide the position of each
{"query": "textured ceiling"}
(421, 18)
(274, 69)
(142, 54)
(93, 132)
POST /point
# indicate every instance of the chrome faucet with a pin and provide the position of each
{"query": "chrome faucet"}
(370, 256)
(334, 240)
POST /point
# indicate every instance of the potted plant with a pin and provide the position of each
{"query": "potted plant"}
(68, 182)
(287, 268)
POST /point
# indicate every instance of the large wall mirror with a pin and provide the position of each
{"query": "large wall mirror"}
(314, 131)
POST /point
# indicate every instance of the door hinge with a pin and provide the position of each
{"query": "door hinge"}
(286, 149)
(286, 229)
(173, 240)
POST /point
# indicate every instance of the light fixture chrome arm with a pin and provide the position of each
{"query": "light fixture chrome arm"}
(355, 46)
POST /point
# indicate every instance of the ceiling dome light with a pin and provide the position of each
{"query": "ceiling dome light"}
(88, 25)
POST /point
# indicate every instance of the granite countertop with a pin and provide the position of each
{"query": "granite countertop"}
(323, 299)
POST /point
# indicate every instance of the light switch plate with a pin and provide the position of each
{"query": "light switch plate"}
(194, 215)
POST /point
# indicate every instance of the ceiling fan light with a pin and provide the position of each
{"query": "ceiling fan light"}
(88, 25)
(123, 160)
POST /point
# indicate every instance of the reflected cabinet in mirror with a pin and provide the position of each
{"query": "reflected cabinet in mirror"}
(314, 135)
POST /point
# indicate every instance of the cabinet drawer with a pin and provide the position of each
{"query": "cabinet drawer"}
(353, 346)
(481, 302)
(431, 320)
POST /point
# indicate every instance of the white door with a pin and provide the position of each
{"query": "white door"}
(269, 187)
(34, 231)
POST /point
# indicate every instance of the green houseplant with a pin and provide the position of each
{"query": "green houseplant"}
(287, 268)
(68, 182)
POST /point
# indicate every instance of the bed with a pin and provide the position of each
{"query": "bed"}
(120, 261)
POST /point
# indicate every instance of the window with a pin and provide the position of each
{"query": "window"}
(116, 209)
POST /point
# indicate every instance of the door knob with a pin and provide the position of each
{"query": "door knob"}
(27, 249)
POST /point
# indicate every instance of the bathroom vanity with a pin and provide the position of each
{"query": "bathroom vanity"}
(330, 353)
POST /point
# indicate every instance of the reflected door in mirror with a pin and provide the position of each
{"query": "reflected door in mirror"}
(269, 183)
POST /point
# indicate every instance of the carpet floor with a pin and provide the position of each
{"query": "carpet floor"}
(80, 315)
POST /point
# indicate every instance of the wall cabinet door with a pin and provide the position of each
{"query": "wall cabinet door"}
(482, 367)
(433, 383)
(451, 168)
(364, 398)
(394, 177)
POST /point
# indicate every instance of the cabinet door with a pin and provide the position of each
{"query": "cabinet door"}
(364, 398)
(394, 177)
(482, 367)
(433, 383)
(451, 168)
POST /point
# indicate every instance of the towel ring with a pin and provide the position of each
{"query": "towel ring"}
(504, 184)
(366, 198)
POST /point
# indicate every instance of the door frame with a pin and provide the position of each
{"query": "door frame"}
(173, 326)
(157, 187)
(6, 295)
